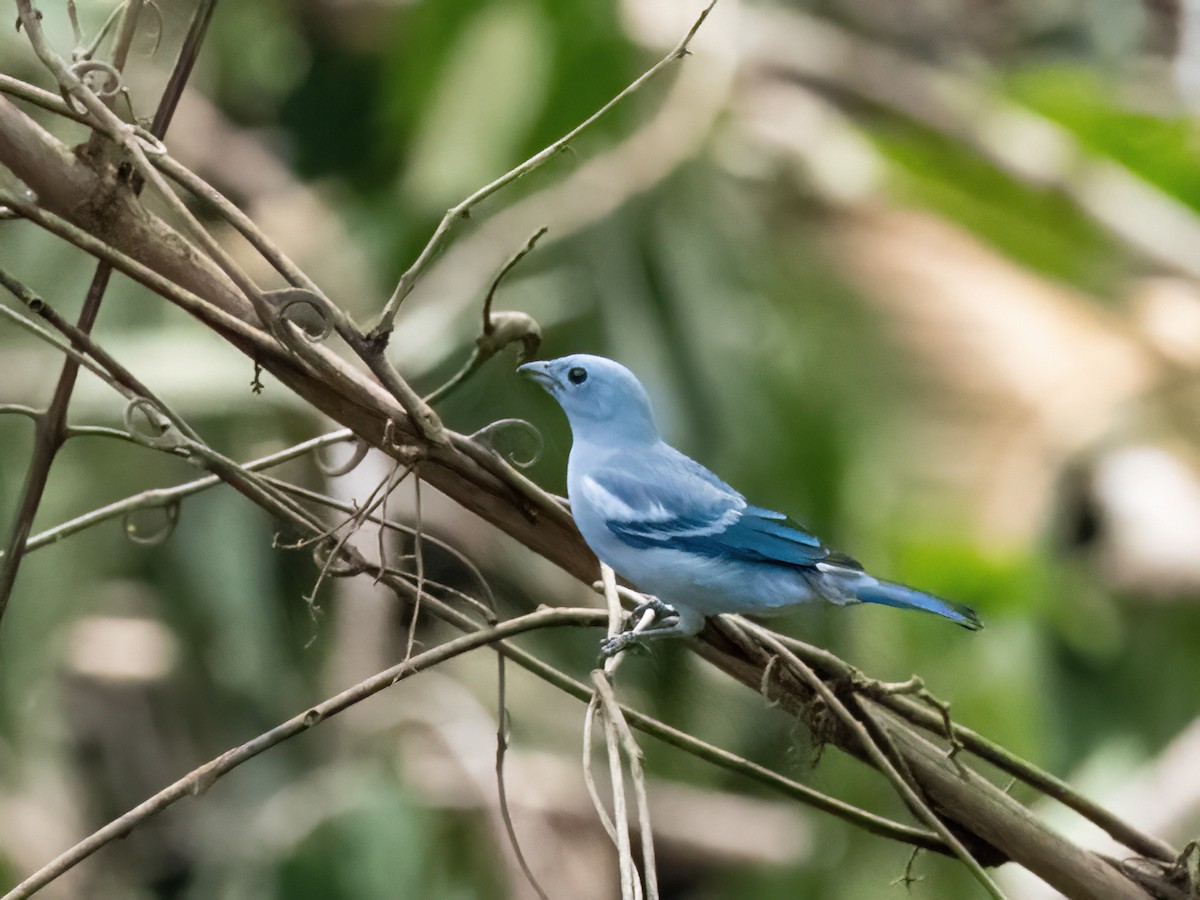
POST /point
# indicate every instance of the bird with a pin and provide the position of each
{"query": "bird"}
(677, 532)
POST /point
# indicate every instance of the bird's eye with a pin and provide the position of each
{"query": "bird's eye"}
(577, 375)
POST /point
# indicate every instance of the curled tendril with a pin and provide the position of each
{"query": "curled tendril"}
(170, 518)
(505, 429)
(106, 88)
(327, 556)
(151, 143)
(333, 470)
(158, 25)
(152, 427)
(301, 308)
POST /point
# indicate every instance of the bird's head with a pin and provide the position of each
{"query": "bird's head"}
(603, 400)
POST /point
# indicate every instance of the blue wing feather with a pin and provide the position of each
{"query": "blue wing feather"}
(749, 537)
(678, 519)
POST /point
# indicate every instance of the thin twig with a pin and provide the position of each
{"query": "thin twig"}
(616, 616)
(160, 497)
(630, 885)
(356, 514)
(381, 532)
(462, 210)
(48, 337)
(501, 790)
(488, 326)
(50, 433)
(524, 328)
(589, 779)
(91, 49)
(201, 779)
(419, 557)
(488, 609)
(618, 826)
(70, 431)
(637, 777)
(371, 352)
(616, 735)
(20, 409)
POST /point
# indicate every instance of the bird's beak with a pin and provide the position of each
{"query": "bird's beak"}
(539, 372)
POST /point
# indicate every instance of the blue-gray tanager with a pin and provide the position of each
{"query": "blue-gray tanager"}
(677, 531)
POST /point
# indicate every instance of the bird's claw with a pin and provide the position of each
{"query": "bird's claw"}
(663, 615)
(618, 643)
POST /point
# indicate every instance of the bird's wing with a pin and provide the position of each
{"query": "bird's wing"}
(672, 506)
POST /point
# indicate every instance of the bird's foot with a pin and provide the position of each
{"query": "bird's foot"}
(619, 643)
(662, 612)
(665, 622)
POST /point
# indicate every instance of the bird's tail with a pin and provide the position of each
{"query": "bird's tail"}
(889, 593)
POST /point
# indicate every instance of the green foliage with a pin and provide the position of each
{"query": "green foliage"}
(1039, 229)
(1158, 148)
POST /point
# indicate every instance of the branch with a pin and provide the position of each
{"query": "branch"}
(940, 724)
(996, 825)
(156, 498)
(991, 824)
(51, 429)
(880, 760)
(872, 823)
(1050, 785)
(201, 779)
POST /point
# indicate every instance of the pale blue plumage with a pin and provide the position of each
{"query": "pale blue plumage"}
(676, 530)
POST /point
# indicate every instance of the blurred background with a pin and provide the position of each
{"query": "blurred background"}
(923, 275)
